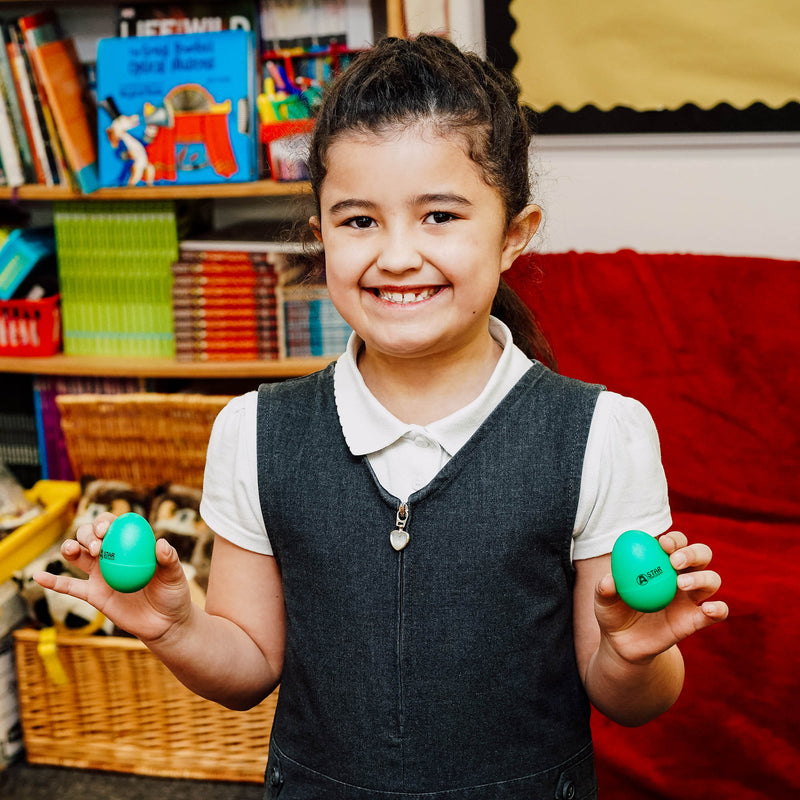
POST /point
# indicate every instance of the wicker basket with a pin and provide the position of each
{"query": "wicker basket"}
(145, 439)
(122, 710)
(107, 702)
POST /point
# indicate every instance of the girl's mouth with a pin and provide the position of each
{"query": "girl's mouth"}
(406, 296)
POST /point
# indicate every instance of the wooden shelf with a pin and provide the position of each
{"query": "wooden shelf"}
(264, 188)
(112, 366)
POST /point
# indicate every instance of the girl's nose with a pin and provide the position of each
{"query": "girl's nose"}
(398, 253)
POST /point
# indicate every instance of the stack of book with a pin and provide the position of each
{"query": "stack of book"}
(114, 265)
(47, 115)
(247, 292)
(213, 303)
(224, 294)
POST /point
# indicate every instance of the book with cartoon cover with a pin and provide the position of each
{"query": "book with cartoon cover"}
(176, 109)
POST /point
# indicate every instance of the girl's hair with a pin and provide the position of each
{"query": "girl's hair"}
(429, 79)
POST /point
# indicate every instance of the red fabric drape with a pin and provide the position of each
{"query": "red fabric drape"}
(711, 346)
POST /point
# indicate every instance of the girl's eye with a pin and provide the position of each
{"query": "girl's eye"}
(438, 217)
(360, 222)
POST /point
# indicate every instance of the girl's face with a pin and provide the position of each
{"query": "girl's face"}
(415, 242)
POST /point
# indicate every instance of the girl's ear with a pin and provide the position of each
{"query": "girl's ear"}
(316, 229)
(520, 231)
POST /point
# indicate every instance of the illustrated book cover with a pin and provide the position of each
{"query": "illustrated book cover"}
(176, 109)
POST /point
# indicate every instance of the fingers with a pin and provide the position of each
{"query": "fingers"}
(716, 611)
(692, 556)
(75, 587)
(91, 535)
(694, 578)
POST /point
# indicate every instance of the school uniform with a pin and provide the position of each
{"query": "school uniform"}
(429, 647)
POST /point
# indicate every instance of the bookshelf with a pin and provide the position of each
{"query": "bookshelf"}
(262, 188)
(117, 367)
(388, 17)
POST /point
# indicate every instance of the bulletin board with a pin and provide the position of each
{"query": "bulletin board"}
(664, 64)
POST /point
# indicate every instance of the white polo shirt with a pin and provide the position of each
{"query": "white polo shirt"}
(622, 485)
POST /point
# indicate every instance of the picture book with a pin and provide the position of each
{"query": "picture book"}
(156, 19)
(176, 109)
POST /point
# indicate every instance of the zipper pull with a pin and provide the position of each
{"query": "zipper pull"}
(399, 536)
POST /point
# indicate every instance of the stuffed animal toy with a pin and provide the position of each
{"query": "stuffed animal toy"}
(175, 516)
(118, 497)
(51, 608)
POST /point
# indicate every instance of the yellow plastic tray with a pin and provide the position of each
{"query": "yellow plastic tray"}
(19, 548)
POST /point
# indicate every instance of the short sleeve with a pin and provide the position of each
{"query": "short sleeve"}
(623, 485)
(230, 504)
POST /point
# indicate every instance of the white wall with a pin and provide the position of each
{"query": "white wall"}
(734, 194)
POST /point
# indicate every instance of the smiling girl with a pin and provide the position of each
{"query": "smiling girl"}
(415, 541)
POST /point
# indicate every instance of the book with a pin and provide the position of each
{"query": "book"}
(309, 323)
(43, 116)
(114, 262)
(55, 156)
(177, 109)
(149, 19)
(9, 152)
(28, 105)
(9, 93)
(63, 87)
(23, 251)
(315, 23)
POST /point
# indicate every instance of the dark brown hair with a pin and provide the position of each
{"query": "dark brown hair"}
(429, 78)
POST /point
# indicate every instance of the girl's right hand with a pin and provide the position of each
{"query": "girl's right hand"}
(148, 614)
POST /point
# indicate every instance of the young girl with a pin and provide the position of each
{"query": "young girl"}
(415, 541)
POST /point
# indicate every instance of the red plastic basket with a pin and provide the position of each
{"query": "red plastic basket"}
(30, 327)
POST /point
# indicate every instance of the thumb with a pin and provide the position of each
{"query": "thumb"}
(605, 593)
(169, 564)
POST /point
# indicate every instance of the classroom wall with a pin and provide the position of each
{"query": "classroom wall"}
(733, 194)
(700, 193)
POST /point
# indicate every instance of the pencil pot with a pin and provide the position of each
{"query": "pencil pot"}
(30, 327)
(286, 144)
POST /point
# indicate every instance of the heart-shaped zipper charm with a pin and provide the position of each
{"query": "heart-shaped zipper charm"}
(399, 539)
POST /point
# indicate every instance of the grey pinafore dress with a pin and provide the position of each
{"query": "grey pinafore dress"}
(444, 670)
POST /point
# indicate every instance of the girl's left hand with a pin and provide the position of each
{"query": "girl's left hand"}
(638, 637)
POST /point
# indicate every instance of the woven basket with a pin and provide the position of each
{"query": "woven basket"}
(145, 439)
(122, 710)
(107, 702)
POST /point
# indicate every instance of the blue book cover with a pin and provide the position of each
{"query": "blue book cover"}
(24, 250)
(177, 109)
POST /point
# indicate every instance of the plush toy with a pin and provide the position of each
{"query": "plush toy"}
(175, 516)
(118, 497)
(52, 608)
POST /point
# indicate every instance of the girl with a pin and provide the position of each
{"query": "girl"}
(415, 541)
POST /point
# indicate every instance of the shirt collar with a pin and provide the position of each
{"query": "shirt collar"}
(368, 427)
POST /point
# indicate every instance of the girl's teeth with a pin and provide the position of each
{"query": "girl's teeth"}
(407, 297)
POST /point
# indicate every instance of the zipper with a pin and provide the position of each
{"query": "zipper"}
(399, 539)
